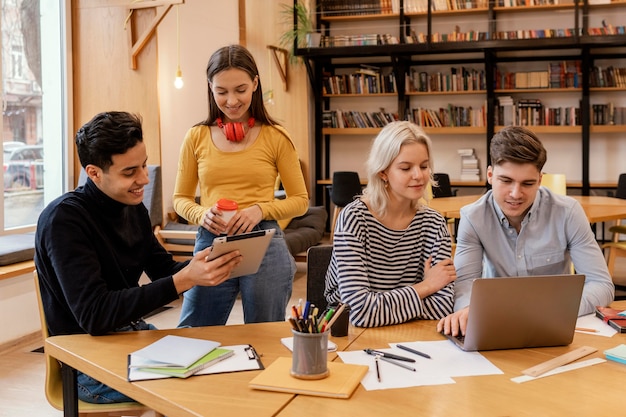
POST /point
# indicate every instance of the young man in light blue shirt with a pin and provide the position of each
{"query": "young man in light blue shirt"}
(519, 229)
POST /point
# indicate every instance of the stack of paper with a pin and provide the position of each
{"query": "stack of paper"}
(617, 354)
(177, 356)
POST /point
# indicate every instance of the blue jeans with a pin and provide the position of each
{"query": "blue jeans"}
(264, 295)
(93, 391)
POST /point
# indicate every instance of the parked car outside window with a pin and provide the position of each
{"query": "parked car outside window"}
(23, 167)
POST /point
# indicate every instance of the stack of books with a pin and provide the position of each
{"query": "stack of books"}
(469, 165)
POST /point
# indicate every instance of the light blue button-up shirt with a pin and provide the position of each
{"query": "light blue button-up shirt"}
(555, 233)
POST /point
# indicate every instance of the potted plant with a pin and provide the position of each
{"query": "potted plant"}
(303, 30)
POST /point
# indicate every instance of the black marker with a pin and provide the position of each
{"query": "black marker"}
(417, 352)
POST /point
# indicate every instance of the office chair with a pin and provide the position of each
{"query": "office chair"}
(54, 383)
(616, 247)
(317, 261)
(443, 188)
(346, 186)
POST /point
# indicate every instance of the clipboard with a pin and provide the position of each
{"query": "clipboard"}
(245, 358)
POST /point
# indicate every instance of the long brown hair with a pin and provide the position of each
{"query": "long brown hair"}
(235, 56)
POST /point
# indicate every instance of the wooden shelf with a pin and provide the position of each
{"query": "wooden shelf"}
(361, 95)
(443, 93)
(550, 129)
(487, 53)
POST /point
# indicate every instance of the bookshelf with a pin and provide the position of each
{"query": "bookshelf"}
(430, 38)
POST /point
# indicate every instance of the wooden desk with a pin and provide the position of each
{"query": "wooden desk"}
(601, 209)
(105, 358)
(590, 391)
(449, 207)
(597, 208)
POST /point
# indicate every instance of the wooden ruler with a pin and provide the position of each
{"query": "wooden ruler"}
(564, 359)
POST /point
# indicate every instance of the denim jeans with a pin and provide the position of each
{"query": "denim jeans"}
(93, 391)
(264, 295)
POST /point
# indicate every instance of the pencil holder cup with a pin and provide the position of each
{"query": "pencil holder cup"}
(310, 355)
(340, 326)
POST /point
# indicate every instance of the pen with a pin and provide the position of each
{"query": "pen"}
(417, 352)
(388, 355)
(336, 315)
(377, 368)
(400, 364)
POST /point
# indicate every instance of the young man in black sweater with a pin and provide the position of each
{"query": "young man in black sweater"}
(92, 245)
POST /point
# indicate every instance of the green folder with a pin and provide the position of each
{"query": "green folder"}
(207, 360)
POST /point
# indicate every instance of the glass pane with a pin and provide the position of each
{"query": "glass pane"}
(24, 134)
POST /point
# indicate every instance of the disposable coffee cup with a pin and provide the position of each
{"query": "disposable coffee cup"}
(310, 355)
(228, 208)
(340, 326)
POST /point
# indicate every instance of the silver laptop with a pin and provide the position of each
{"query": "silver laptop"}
(521, 312)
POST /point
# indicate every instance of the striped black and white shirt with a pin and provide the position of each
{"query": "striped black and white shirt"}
(373, 267)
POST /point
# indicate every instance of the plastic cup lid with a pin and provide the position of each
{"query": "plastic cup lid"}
(226, 204)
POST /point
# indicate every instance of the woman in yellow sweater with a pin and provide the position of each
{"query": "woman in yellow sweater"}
(237, 153)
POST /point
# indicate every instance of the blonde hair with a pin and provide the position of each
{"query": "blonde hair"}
(385, 148)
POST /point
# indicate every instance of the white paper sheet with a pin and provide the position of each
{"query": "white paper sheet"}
(447, 361)
(590, 321)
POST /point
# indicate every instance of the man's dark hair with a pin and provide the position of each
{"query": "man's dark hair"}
(107, 134)
(518, 145)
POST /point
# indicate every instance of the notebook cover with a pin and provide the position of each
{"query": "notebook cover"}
(612, 317)
(340, 383)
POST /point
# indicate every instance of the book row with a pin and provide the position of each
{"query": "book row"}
(608, 77)
(450, 116)
(520, 3)
(457, 79)
(331, 8)
(359, 83)
(463, 36)
(531, 112)
(351, 119)
(608, 114)
(562, 74)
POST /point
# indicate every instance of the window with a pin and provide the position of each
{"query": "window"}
(34, 117)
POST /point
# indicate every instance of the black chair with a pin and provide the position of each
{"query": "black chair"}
(444, 188)
(346, 186)
(317, 261)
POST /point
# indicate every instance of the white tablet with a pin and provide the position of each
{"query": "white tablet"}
(252, 247)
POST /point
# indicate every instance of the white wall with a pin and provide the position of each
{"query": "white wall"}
(205, 26)
(19, 314)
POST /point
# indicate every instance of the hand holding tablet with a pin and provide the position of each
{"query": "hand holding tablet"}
(252, 247)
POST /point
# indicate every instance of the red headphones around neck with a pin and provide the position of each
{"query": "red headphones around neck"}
(235, 131)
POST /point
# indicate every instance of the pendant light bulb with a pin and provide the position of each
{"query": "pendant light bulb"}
(178, 81)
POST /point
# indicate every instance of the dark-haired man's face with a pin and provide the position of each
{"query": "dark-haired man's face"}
(514, 188)
(126, 177)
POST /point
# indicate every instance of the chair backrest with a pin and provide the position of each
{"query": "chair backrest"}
(346, 185)
(621, 187)
(443, 188)
(54, 380)
(317, 261)
(152, 195)
(555, 183)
